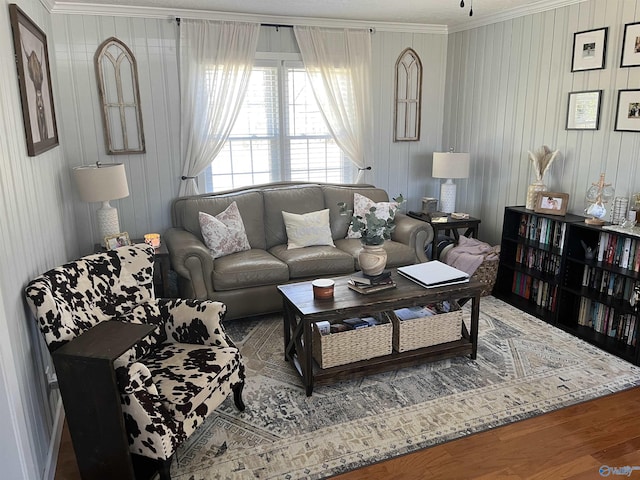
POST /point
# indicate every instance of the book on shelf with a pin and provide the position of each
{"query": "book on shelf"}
(364, 279)
(355, 323)
(367, 289)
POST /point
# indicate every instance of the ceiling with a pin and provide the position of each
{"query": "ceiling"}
(426, 12)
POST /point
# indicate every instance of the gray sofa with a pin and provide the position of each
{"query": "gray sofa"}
(246, 281)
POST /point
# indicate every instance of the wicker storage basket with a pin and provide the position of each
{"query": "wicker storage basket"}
(486, 273)
(426, 331)
(351, 346)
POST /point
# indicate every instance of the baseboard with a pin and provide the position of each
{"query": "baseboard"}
(54, 443)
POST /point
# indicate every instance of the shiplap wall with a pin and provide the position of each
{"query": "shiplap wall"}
(37, 232)
(153, 177)
(507, 93)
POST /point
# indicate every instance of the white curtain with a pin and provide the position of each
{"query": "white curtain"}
(215, 66)
(338, 63)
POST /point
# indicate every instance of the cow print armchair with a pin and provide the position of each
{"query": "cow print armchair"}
(171, 380)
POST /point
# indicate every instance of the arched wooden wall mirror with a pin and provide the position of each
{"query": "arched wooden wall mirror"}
(408, 97)
(117, 74)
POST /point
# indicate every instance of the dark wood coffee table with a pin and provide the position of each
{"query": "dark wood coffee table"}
(301, 310)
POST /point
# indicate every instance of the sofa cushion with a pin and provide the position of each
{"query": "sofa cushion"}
(362, 206)
(185, 213)
(224, 234)
(296, 199)
(248, 269)
(314, 261)
(398, 254)
(334, 194)
(307, 229)
(186, 375)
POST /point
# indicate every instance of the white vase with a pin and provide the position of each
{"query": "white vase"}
(372, 259)
(532, 194)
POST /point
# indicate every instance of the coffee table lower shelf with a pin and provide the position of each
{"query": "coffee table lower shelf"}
(327, 376)
(300, 310)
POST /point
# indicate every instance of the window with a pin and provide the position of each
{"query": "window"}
(279, 134)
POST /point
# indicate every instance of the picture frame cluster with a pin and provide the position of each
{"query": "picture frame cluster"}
(589, 53)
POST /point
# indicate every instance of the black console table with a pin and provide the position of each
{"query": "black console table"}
(450, 226)
(91, 398)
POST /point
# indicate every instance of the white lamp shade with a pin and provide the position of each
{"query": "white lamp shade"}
(101, 183)
(450, 165)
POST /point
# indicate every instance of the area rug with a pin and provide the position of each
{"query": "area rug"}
(524, 368)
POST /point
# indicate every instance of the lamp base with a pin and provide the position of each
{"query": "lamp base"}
(448, 197)
(108, 222)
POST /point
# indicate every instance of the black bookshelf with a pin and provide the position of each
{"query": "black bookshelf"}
(545, 270)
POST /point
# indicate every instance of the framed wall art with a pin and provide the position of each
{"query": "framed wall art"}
(583, 110)
(34, 80)
(408, 97)
(552, 203)
(628, 111)
(117, 73)
(589, 50)
(631, 45)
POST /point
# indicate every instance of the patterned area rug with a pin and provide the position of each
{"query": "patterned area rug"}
(525, 367)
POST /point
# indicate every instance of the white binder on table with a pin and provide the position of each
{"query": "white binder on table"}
(433, 274)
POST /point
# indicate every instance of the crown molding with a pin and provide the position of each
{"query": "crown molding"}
(68, 8)
(535, 7)
(48, 4)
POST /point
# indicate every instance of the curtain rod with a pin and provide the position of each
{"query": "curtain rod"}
(276, 25)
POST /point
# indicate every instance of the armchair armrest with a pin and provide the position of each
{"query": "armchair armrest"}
(194, 321)
(192, 260)
(413, 232)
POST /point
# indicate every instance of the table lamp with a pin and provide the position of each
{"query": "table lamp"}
(449, 165)
(102, 183)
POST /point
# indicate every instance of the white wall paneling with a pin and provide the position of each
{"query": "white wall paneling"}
(153, 176)
(507, 92)
(37, 232)
(401, 167)
(495, 91)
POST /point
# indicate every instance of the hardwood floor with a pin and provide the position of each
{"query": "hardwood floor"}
(571, 443)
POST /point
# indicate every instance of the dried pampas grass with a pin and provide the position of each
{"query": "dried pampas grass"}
(542, 160)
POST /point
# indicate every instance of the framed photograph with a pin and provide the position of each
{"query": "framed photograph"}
(631, 45)
(34, 80)
(116, 241)
(628, 111)
(589, 50)
(583, 111)
(552, 203)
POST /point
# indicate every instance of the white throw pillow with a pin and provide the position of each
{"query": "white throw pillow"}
(224, 234)
(362, 205)
(308, 229)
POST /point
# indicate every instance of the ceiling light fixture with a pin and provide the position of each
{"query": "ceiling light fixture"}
(471, 10)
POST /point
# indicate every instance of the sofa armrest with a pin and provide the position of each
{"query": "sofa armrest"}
(192, 260)
(413, 232)
(194, 321)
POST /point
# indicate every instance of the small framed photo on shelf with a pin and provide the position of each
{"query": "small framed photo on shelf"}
(583, 111)
(116, 241)
(589, 50)
(628, 111)
(631, 46)
(552, 203)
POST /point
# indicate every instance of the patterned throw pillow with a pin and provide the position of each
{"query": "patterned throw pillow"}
(224, 234)
(362, 205)
(308, 229)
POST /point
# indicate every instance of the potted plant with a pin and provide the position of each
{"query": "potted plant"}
(374, 228)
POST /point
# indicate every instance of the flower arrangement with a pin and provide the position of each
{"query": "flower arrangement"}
(374, 229)
(542, 160)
